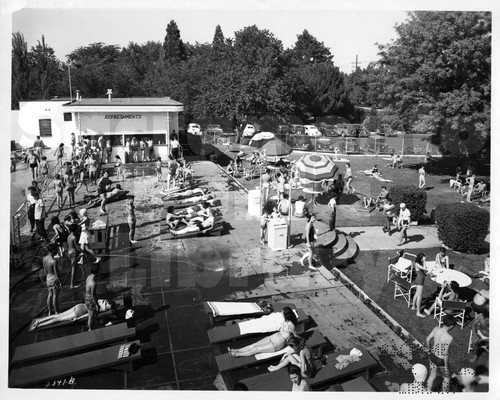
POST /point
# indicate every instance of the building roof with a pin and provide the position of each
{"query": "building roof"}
(125, 101)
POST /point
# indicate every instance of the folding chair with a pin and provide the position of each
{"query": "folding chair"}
(402, 288)
(400, 266)
(456, 310)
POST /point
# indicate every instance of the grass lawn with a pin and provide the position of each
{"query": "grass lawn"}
(369, 273)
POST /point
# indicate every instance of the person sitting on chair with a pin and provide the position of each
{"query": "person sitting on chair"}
(78, 312)
(300, 206)
(381, 198)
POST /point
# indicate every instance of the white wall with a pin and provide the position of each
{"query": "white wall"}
(26, 127)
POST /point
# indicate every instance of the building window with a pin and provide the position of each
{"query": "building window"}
(67, 117)
(45, 127)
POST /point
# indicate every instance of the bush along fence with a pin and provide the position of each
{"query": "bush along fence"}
(462, 226)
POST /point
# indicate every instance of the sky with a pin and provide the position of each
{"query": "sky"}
(346, 33)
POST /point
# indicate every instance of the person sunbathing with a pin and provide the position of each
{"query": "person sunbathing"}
(272, 343)
(299, 355)
(116, 192)
(195, 199)
(197, 224)
(78, 312)
(188, 193)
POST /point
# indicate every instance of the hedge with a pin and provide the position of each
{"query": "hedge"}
(414, 198)
(462, 226)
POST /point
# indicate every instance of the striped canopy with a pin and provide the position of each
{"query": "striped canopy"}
(316, 167)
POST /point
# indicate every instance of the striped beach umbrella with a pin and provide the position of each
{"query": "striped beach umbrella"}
(316, 167)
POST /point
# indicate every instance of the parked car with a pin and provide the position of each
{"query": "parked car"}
(311, 130)
(213, 129)
(327, 130)
(249, 131)
(352, 130)
(283, 129)
(296, 129)
(194, 129)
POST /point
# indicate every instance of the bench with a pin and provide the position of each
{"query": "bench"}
(72, 343)
(226, 333)
(327, 374)
(226, 363)
(31, 375)
(216, 319)
(358, 384)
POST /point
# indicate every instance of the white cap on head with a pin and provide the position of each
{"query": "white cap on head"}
(467, 375)
(419, 372)
(402, 205)
(83, 211)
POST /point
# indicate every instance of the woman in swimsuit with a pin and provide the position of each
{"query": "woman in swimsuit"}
(44, 168)
(92, 167)
(419, 283)
(273, 343)
(59, 153)
(442, 260)
(131, 219)
(348, 178)
(61, 234)
(69, 181)
(58, 187)
(74, 313)
(300, 355)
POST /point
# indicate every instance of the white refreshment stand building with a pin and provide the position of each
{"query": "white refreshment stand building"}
(116, 119)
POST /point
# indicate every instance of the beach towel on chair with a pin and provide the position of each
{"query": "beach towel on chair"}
(222, 308)
(267, 323)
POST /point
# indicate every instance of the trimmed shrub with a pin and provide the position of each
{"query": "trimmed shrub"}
(462, 226)
(414, 198)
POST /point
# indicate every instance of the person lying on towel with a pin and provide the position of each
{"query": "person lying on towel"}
(117, 192)
(175, 219)
(196, 199)
(197, 224)
(189, 193)
(77, 312)
(272, 343)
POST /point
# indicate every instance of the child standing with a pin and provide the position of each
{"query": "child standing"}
(158, 168)
(118, 165)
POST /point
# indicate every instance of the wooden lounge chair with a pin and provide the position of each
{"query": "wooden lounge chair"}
(214, 317)
(72, 343)
(231, 332)
(226, 363)
(70, 366)
(326, 375)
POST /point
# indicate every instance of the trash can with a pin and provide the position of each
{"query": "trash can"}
(277, 234)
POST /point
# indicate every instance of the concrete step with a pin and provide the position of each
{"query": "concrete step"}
(327, 238)
(340, 245)
(350, 252)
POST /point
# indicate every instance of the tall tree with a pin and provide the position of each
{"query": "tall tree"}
(439, 74)
(95, 70)
(308, 49)
(218, 40)
(20, 70)
(45, 71)
(173, 46)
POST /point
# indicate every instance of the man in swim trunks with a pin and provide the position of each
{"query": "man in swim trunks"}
(90, 295)
(438, 356)
(50, 266)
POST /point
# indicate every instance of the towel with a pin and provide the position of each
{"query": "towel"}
(264, 356)
(345, 360)
(221, 308)
(98, 224)
(267, 323)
